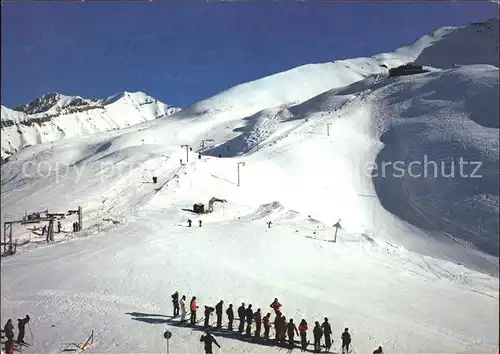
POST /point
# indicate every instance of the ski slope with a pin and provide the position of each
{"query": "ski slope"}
(415, 265)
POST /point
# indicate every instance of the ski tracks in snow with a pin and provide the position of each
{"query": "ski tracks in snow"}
(258, 139)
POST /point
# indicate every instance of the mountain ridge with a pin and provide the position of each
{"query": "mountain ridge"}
(54, 102)
(339, 73)
(54, 116)
(344, 72)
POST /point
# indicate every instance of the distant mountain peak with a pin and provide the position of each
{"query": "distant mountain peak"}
(136, 95)
(54, 116)
(51, 101)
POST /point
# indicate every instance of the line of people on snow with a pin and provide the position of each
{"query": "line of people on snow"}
(8, 332)
(189, 222)
(283, 329)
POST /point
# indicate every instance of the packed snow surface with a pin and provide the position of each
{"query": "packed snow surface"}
(415, 264)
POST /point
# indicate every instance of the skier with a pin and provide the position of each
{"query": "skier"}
(21, 324)
(267, 327)
(199, 156)
(269, 223)
(283, 325)
(230, 317)
(258, 323)
(193, 307)
(378, 350)
(9, 345)
(218, 312)
(199, 223)
(208, 339)
(183, 308)
(249, 317)
(208, 312)
(327, 331)
(241, 316)
(49, 235)
(303, 334)
(44, 229)
(59, 227)
(291, 329)
(9, 333)
(9, 329)
(276, 306)
(189, 222)
(175, 302)
(346, 340)
(318, 333)
(277, 327)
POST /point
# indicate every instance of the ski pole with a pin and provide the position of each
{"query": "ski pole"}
(32, 338)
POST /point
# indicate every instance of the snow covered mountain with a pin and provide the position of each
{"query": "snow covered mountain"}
(313, 79)
(408, 166)
(55, 116)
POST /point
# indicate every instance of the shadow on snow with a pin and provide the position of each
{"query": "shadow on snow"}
(217, 332)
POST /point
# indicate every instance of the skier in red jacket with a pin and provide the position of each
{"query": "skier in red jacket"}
(303, 334)
(193, 307)
(276, 306)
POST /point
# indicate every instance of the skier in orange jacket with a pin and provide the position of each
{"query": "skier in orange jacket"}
(193, 307)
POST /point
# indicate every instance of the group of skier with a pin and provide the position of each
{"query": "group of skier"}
(283, 329)
(8, 331)
(180, 307)
(189, 222)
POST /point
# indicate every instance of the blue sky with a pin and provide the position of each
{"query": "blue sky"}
(181, 52)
